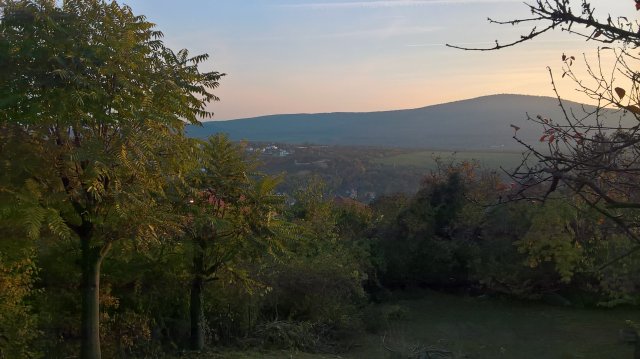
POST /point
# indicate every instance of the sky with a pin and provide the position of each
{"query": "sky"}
(307, 56)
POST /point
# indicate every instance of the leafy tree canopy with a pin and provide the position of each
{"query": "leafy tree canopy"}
(91, 125)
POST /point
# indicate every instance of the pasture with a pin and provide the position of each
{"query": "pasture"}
(493, 160)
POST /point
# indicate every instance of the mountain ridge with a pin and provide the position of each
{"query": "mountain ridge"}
(479, 123)
(379, 111)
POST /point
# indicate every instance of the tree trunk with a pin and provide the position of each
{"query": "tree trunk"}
(90, 319)
(197, 314)
(196, 307)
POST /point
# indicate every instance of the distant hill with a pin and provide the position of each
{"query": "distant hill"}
(476, 124)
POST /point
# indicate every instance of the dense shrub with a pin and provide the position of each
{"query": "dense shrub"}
(17, 321)
(422, 246)
(321, 289)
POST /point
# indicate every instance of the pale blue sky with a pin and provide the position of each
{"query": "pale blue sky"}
(287, 56)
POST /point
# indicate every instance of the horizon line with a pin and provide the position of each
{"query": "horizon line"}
(375, 111)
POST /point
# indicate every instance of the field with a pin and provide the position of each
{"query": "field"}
(362, 170)
(427, 159)
(482, 328)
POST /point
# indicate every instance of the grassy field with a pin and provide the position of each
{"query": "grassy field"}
(427, 159)
(257, 354)
(486, 328)
(476, 328)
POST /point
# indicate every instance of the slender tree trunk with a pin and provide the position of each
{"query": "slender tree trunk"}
(197, 314)
(196, 307)
(90, 319)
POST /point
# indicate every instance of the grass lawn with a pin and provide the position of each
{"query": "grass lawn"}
(258, 354)
(484, 328)
(493, 328)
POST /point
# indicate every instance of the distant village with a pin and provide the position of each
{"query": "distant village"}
(269, 150)
(273, 151)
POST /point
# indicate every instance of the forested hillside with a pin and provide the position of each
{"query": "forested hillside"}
(482, 123)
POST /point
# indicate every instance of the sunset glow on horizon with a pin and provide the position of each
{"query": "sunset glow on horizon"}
(286, 56)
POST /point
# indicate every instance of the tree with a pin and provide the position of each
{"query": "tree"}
(319, 277)
(231, 216)
(589, 156)
(567, 15)
(428, 239)
(92, 112)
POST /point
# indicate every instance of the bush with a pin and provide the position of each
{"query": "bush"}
(321, 290)
(17, 321)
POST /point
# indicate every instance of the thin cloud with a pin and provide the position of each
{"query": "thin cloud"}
(379, 33)
(389, 3)
(434, 44)
(489, 43)
(386, 32)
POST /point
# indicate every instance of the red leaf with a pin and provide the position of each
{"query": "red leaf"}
(543, 138)
(551, 138)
